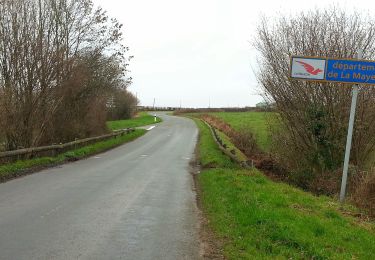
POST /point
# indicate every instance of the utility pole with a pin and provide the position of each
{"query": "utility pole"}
(153, 106)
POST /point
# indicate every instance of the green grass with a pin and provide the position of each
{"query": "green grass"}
(143, 119)
(14, 169)
(255, 121)
(260, 219)
(209, 155)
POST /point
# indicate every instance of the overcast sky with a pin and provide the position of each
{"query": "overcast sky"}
(199, 52)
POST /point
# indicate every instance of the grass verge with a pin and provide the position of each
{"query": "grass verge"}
(260, 219)
(142, 119)
(209, 155)
(22, 167)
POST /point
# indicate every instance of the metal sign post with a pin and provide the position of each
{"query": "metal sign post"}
(323, 69)
(349, 138)
(348, 143)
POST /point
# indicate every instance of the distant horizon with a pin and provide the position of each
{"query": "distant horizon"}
(200, 52)
(223, 107)
(206, 107)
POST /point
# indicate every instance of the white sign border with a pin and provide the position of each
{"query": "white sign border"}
(311, 58)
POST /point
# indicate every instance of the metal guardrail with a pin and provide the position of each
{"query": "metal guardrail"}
(231, 154)
(53, 150)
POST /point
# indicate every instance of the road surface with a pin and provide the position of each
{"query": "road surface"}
(133, 202)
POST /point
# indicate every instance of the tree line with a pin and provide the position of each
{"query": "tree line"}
(63, 71)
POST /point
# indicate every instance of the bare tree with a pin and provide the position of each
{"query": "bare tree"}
(44, 50)
(312, 118)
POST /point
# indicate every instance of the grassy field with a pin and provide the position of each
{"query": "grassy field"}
(18, 168)
(256, 121)
(142, 119)
(260, 219)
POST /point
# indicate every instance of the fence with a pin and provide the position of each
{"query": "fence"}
(53, 150)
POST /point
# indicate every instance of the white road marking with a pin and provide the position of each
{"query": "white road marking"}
(151, 127)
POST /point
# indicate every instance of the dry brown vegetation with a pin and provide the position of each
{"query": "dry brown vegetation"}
(60, 62)
(310, 135)
(123, 105)
(243, 139)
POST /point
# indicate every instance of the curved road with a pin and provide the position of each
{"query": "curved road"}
(133, 202)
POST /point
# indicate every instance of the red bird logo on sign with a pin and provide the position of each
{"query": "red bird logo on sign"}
(310, 69)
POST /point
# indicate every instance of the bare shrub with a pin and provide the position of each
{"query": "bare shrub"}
(123, 105)
(245, 140)
(310, 136)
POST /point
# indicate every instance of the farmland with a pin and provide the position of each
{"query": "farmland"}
(256, 121)
(142, 119)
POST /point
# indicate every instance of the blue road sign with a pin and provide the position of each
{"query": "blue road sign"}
(337, 70)
(350, 71)
(334, 70)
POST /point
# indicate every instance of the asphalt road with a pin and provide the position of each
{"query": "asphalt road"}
(133, 202)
